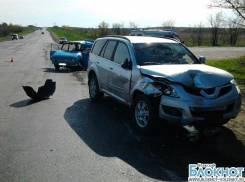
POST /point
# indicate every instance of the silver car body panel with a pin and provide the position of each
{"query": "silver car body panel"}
(187, 102)
(191, 75)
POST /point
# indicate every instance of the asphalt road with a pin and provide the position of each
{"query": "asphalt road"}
(69, 138)
(218, 53)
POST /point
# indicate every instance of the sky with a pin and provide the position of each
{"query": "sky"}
(90, 13)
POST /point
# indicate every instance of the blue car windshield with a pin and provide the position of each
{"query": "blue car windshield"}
(163, 53)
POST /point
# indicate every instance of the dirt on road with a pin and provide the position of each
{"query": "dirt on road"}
(237, 125)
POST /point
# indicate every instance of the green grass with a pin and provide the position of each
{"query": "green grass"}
(234, 66)
(71, 35)
(25, 31)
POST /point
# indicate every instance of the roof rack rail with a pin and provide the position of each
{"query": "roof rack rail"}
(168, 38)
(117, 36)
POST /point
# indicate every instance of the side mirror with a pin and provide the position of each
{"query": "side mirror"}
(126, 64)
(202, 59)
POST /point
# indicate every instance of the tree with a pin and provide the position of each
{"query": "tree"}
(193, 36)
(133, 25)
(66, 28)
(199, 34)
(168, 24)
(234, 29)
(103, 28)
(4, 30)
(117, 28)
(238, 6)
(216, 24)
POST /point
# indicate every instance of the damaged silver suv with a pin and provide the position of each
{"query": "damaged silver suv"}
(159, 77)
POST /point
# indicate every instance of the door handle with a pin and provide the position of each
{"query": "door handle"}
(111, 68)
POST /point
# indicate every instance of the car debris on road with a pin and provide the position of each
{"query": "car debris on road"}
(44, 92)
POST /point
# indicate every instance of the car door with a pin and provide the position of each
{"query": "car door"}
(120, 77)
(54, 48)
(85, 54)
(103, 64)
(101, 56)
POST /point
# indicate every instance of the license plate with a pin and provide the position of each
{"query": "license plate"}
(62, 64)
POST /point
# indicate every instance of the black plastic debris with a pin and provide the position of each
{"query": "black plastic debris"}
(44, 92)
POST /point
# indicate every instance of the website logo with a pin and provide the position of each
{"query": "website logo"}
(209, 172)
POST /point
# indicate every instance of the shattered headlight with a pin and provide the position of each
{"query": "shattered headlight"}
(233, 81)
(167, 90)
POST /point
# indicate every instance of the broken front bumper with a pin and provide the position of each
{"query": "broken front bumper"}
(192, 109)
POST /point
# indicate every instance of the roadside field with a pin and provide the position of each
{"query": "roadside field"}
(70, 35)
(234, 66)
(26, 30)
(207, 41)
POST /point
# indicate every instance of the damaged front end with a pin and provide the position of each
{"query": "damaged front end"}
(184, 105)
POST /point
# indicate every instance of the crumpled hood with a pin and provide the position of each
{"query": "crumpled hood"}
(63, 54)
(191, 75)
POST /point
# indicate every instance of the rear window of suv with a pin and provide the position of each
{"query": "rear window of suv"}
(98, 46)
(109, 49)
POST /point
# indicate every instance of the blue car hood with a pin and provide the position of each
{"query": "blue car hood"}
(63, 54)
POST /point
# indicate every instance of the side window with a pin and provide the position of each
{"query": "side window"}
(98, 46)
(109, 49)
(121, 53)
(65, 47)
(72, 47)
(103, 50)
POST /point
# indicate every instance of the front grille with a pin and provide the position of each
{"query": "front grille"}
(63, 60)
(203, 112)
(209, 91)
(196, 91)
(224, 91)
(193, 91)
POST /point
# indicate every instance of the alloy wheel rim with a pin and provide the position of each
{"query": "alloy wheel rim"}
(92, 87)
(142, 114)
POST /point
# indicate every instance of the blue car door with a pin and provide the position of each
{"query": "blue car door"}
(85, 54)
(54, 48)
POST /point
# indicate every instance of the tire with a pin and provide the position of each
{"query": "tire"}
(81, 66)
(94, 91)
(57, 67)
(145, 114)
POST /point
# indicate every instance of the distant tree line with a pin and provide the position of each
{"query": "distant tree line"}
(6, 29)
(219, 30)
(222, 30)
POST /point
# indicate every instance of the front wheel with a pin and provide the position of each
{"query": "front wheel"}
(145, 114)
(81, 66)
(94, 91)
(57, 67)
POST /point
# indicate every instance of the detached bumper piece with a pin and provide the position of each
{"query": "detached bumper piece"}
(44, 92)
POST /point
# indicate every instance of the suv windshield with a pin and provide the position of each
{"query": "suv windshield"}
(163, 53)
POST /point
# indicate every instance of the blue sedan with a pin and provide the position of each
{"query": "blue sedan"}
(71, 54)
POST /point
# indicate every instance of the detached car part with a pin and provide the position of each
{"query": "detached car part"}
(44, 92)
